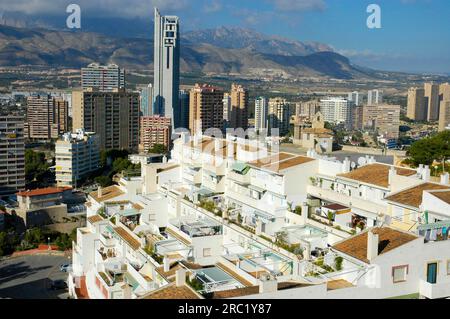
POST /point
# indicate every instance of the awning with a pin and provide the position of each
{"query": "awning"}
(264, 215)
(241, 168)
(256, 188)
(442, 224)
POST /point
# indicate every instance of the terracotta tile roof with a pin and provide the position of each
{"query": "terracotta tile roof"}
(134, 243)
(137, 206)
(169, 275)
(413, 196)
(95, 219)
(171, 291)
(285, 164)
(443, 196)
(43, 191)
(338, 284)
(107, 193)
(270, 159)
(234, 274)
(238, 292)
(375, 174)
(174, 234)
(336, 207)
(252, 290)
(389, 239)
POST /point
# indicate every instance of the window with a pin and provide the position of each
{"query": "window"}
(399, 273)
(206, 252)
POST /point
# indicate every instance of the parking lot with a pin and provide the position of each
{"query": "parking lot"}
(30, 277)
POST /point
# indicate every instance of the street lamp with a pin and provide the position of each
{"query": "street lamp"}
(48, 243)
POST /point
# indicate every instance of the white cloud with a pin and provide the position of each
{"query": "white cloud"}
(213, 6)
(128, 8)
(298, 5)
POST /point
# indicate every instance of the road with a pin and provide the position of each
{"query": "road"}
(30, 277)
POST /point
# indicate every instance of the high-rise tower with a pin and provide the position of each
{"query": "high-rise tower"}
(167, 67)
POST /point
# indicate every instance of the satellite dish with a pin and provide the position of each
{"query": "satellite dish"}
(353, 165)
(362, 161)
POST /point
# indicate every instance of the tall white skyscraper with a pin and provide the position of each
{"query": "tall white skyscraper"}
(374, 97)
(167, 67)
(337, 110)
(354, 98)
(261, 109)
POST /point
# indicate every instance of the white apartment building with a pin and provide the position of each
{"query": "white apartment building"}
(337, 111)
(77, 154)
(105, 78)
(354, 98)
(261, 110)
(374, 97)
(246, 221)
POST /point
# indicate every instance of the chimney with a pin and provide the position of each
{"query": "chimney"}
(346, 165)
(180, 276)
(372, 245)
(420, 169)
(164, 159)
(230, 149)
(166, 263)
(100, 192)
(445, 179)
(305, 211)
(426, 173)
(267, 284)
(217, 144)
(392, 174)
(307, 252)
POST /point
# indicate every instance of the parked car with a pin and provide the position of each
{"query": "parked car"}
(65, 267)
(58, 284)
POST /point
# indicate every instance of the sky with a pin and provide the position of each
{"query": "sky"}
(414, 34)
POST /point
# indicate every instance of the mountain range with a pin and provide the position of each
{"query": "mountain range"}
(223, 51)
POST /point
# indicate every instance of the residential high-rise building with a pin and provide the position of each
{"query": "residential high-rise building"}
(77, 154)
(183, 98)
(432, 100)
(146, 98)
(166, 67)
(12, 154)
(205, 108)
(416, 108)
(337, 111)
(154, 130)
(239, 107)
(261, 111)
(353, 97)
(444, 106)
(47, 117)
(106, 78)
(113, 116)
(307, 109)
(226, 109)
(374, 97)
(278, 116)
(358, 117)
(384, 118)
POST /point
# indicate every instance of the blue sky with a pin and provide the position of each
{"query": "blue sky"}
(415, 34)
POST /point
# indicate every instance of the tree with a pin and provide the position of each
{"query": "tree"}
(158, 149)
(36, 165)
(430, 149)
(103, 181)
(64, 242)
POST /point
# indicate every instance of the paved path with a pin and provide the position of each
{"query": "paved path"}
(30, 277)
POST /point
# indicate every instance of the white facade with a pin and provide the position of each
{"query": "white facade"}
(106, 78)
(374, 97)
(77, 155)
(337, 111)
(261, 110)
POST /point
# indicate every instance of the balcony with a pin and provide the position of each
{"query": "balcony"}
(434, 291)
(349, 201)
